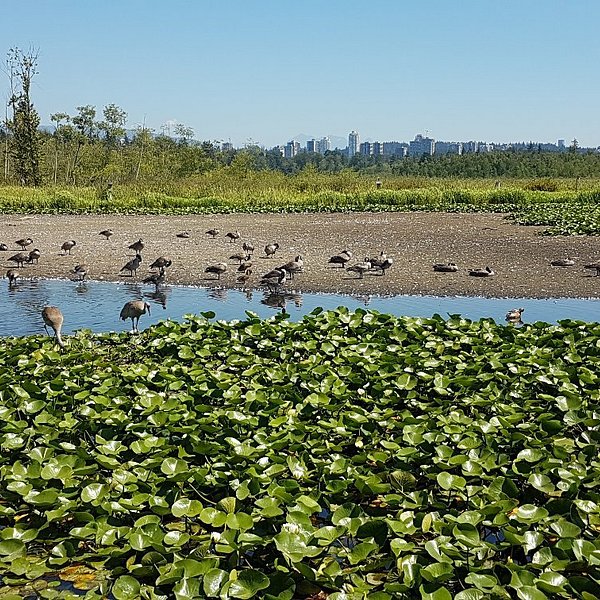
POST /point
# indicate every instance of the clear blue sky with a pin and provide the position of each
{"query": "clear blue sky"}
(267, 70)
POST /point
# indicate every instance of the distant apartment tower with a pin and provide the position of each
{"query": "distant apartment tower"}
(323, 145)
(469, 147)
(376, 148)
(311, 145)
(561, 144)
(353, 143)
(395, 149)
(291, 149)
(421, 145)
(448, 148)
(366, 149)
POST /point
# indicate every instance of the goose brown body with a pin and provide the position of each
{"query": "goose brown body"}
(133, 310)
(54, 319)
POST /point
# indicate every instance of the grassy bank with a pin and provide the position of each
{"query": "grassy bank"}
(352, 454)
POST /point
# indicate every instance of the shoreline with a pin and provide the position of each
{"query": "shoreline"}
(518, 254)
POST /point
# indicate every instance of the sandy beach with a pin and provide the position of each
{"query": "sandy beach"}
(519, 256)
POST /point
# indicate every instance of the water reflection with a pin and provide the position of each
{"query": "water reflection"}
(96, 305)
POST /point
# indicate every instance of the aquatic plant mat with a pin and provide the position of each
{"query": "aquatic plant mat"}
(350, 455)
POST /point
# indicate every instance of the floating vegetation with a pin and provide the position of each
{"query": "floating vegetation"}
(346, 456)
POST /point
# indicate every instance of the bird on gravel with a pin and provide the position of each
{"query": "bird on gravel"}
(294, 266)
(133, 310)
(341, 259)
(12, 277)
(233, 236)
(106, 233)
(34, 255)
(270, 249)
(247, 264)
(184, 235)
(161, 263)
(383, 265)
(514, 315)
(19, 259)
(53, 318)
(487, 272)
(3, 247)
(133, 265)
(137, 247)
(240, 257)
(595, 265)
(80, 272)
(24, 242)
(245, 277)
(360, 268)
(563, 262)
(445, 267)
(218, 269)
(213, 233)
(248, 248)
(67, 246)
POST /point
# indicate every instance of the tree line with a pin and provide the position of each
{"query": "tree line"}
(94, 148)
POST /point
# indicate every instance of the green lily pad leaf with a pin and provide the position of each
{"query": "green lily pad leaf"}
(437, 572)
(447, 481)
(12, 547)
(94, 492)
(187, 589)
(248, 584)
(213, 582)
(432, 591)
(176, 538)
(470, 594)
(174, 466)
(528, 592)
(186, 507)
(126, 588)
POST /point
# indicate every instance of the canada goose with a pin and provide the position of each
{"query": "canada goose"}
(161, 263)
(294, 266)
(34, 255)
(487, 272)
(133, 265)
(66, 247)
(184, 235)
(360, 268)
(595, 265)
(80, 272)
(3, 247)
(562, 262)
(24, 242)
(270, 249)
(247, 264)
(233, 236)
(155, 278)
(19, 259)
(12, 276)
(248, 248)
(275, 278)
(240, 257)
(383, 265)
(217, 269)
(514, 315)
(341, 259)
(133, 310)
(245, 277)
(445, 267)
(106, 233)
(213, 233)
(53, 318)
(137, 247)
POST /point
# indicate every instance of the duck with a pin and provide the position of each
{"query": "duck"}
(12, 277)
(218, 269)
(595, 265)
(107, 233)
(514, 315)
(213, 233)
(161, 263)
(233, 236)
(184, 235)
(133, 265)
(270, 249)
(137, 247)
(341, 259)
(487, 272)
(24, 242)
(54, 319)
(80, 272)
(19, 259)
(563, 262)
(133, 310)
(445, 267)
(360, 268)
(67, 246)
(34, 255)
(3, 247)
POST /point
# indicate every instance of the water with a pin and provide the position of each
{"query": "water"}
(96, 305)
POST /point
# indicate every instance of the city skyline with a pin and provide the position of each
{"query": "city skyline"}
(263, 72)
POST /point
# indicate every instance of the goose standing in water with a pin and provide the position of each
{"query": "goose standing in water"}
(340, 259)
(445, 267)
(133, 265)
(53, 318)
(156, 279)
(133, 310)
(12, 276)
(487, 272)
(270, 249)
(24, 242)
(67, 246)
(274, 279)
(217, 269)
(106, 233)
(514, 315)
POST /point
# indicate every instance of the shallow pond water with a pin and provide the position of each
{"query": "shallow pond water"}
(96, 305)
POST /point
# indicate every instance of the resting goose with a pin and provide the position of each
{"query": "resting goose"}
(445, 268)
(360, 268)
(487, 272)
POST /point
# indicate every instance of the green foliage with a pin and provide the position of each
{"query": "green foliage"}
(355, 453)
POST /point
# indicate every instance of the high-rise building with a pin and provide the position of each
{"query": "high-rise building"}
(366, 149)
(323, 145)
(448, 148)
(376, 148)
(561, 144)
(291, 149)
(421, 145)
(311, 146)
(353, 143)
(395, 148)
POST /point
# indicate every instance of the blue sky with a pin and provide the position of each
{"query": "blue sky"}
(267, 70)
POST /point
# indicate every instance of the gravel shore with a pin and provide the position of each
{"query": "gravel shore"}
(519, 256)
